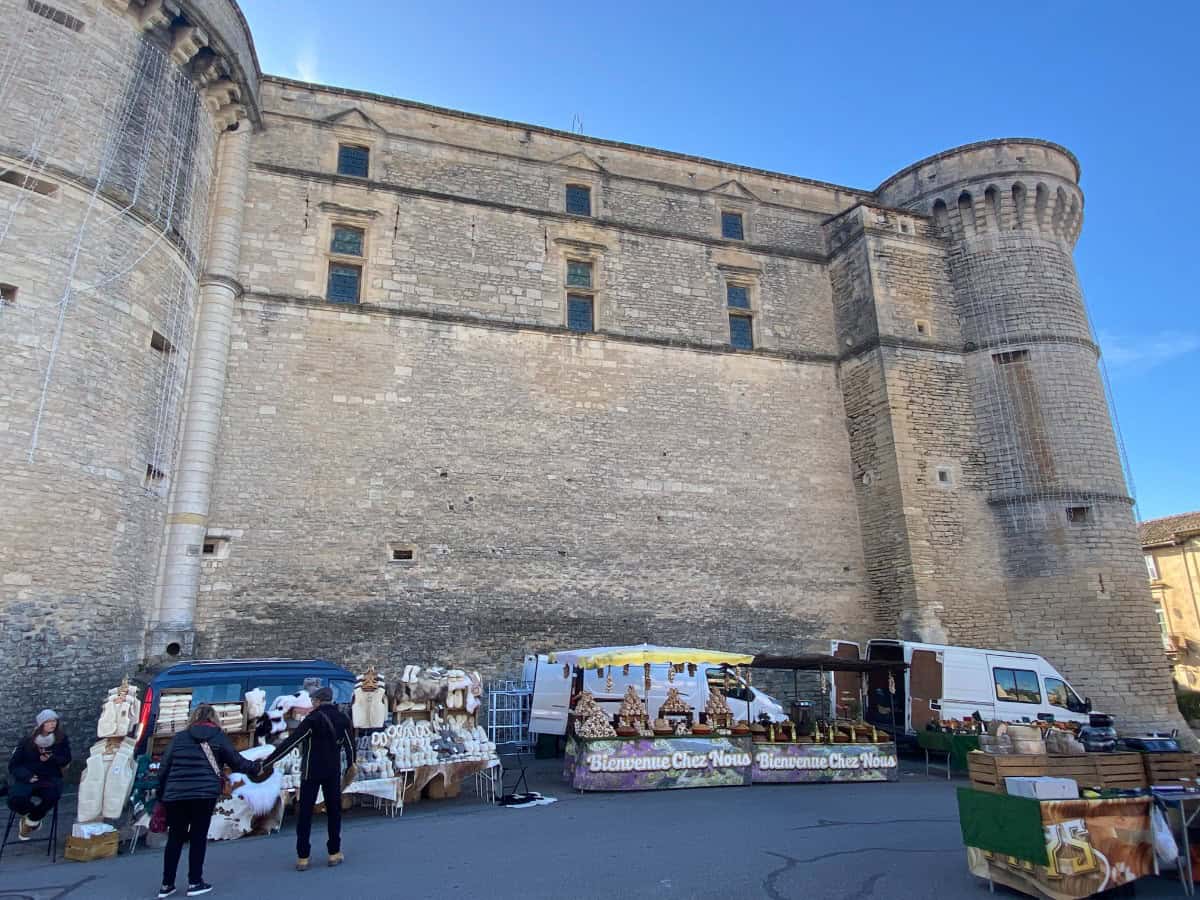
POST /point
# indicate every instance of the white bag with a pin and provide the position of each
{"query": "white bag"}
(1165, 847)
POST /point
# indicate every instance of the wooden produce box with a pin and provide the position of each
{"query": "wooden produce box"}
(1169, 768)
(101, 846)
(1107, 770)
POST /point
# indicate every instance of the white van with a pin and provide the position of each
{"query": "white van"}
(944, 682)
(553, 689)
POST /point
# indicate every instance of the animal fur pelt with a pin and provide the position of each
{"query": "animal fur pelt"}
(259, 797)
(431, 684)
(284, 704)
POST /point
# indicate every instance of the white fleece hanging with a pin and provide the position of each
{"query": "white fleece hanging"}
(256, 703)
(261, 798)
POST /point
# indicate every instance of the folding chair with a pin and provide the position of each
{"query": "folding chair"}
(51, 839)
(515, 757)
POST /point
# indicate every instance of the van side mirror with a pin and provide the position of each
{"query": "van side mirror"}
(1087, 704)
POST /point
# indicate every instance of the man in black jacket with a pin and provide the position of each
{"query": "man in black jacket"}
(325, 739)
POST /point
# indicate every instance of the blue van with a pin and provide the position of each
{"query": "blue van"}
(227, 680)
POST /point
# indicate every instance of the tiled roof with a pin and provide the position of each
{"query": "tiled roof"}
(1164, 530)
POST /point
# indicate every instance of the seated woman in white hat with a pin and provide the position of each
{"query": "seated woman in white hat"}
(37, 767)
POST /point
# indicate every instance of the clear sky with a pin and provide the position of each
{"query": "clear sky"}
(851, 93)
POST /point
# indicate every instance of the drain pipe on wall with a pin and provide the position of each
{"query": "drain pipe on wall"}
(172, 631)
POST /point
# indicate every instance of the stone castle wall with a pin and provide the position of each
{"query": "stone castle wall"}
(106, 161)
(896, 456)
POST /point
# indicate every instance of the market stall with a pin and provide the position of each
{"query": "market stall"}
(826, 749)
(631, 750)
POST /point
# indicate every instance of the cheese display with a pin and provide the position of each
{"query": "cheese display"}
(596, 725)
(717, 713)
(633, 711)
(674, 705)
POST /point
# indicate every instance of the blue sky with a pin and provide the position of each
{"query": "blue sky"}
(851, 95)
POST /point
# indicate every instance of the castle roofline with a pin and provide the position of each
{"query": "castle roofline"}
(860, 193)
(994, 142)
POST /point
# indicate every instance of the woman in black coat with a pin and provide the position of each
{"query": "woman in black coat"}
(189, 783)
(37, 770)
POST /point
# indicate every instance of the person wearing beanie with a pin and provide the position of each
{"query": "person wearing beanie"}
(326, 742)
(36, 766)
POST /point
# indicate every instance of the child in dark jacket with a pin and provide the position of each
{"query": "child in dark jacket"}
(37, 767)
(189, 783)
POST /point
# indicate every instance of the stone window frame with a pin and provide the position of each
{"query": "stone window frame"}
(592, 254)
(579, 184)
(583, 179)
(748, 279)
(950, 482)
(356, 137)
(346, 220)
(741, 209)
(396, 551)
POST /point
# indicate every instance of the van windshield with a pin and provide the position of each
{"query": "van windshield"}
(728, 684)
(1059, 693)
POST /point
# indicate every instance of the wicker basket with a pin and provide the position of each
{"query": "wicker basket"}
(87, 849)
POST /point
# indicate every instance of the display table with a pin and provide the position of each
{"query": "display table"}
(821, 763)
(651, 764)
(955, 747)
(1056, 849)
(388, 793)
(443, 780)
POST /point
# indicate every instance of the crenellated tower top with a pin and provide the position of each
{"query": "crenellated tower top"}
(1010, 184)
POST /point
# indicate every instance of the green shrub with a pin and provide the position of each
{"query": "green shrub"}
(1189, 703)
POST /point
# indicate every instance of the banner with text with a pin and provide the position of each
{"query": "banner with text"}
(651, 764)
(796, 763)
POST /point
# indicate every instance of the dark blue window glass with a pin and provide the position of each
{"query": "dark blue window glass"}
(731, 226)
(579, 313)
(579, 274)
(579, 200)
(343, 284)
(738, 295)
(741, 334)
(347, 240)
(353, 160)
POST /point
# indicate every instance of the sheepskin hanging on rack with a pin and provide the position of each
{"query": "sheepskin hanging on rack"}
(369, 709)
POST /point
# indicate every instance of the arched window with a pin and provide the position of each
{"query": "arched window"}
(992, 196)
(941, 218)
(1041, 204)
(1018, 202)
(966, 211)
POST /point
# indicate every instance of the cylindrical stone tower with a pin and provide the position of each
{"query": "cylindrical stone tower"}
(1010, 212)
(114, 112)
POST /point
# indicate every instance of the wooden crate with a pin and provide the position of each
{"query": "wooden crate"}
(1107, 770)
(1169, 768)
(987, 771)
(1120, 770)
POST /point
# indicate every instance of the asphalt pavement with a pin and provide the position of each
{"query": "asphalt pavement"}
(781, 842)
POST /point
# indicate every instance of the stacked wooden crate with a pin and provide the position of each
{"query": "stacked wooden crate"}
(1092, 770)
(1169, 768)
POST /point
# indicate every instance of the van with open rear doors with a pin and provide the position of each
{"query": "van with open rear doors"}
(944, 682)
